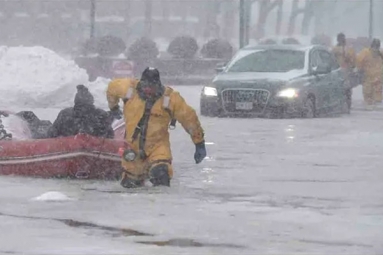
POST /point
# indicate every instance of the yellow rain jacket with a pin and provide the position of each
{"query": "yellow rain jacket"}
(345, 56)
(157, 146)
(371, 65)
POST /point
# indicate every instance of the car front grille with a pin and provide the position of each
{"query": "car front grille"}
(244, 100)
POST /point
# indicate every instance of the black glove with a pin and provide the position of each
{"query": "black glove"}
(200, 152)
(115, 113)
(3, 114)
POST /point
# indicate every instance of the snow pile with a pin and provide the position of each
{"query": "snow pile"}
(52, 196)
(36, 77)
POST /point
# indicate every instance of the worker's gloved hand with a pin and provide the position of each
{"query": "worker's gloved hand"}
(5, 114)
(116, 113)
(200, 152)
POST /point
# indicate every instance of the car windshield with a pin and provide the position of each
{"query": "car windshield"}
(272, 61)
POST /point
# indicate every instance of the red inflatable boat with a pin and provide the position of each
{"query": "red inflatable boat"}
(81, 156)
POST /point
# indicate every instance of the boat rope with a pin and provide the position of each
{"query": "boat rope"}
(3, 133)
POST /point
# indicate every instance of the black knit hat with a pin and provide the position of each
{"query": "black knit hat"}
(341, 38)
(83, 96)
(151, 75)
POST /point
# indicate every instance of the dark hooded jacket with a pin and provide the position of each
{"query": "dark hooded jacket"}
(84, 117)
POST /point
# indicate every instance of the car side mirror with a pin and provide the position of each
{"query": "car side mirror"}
(220, 67)
(321, 69)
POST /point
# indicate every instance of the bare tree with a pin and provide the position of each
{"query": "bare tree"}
(308, 14)
(126, 8)
(295, 11)
(211, 10)
(229, 12)
(148, 17)
(312, 10)
(279, 17)
(265, 7)
(165, 10)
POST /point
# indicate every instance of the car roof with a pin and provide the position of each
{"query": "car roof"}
(296, 47)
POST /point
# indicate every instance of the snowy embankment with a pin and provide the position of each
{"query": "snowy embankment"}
(36, 77)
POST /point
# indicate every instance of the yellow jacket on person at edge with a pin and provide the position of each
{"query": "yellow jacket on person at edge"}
(345, 56)
(170, 105)
(370, 64)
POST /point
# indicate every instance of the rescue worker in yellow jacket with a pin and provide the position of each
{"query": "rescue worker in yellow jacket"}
(149, 109)
(346, 58)
(345, 55)
(370, 63)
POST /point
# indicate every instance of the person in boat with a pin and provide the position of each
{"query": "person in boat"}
(23, 125)
(38, 128)
(83, 117)
(149, 108)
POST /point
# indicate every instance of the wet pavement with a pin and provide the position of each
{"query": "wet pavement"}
(288, 186)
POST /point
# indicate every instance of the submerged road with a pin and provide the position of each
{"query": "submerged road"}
(267, 187)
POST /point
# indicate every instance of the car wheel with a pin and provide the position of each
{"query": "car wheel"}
(279, 113)
(347, 102)
(309, 108)
(346, 106)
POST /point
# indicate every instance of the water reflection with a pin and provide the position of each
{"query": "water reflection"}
(290, 133)
(208, 158)
(208, 173)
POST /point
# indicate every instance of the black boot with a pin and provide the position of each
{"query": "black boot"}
(128, 183)
(159, 175)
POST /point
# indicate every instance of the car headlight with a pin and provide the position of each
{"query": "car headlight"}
(288, 93)
(210, 91)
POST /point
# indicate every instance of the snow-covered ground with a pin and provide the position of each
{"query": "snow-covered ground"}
(267, 187)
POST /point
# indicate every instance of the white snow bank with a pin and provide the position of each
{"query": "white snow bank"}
(17, 127)
(52, 196)
(36, 77)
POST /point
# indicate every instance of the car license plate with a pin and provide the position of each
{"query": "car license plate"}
(244, 105)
